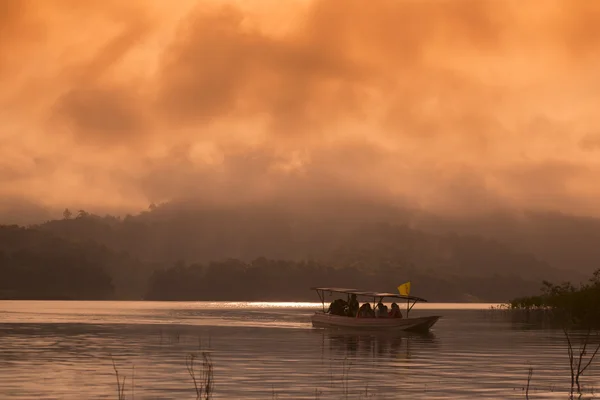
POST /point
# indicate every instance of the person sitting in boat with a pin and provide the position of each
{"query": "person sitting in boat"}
(338, 307)
(381, 311)
(353, 306)
(365, 311)
(395, 311)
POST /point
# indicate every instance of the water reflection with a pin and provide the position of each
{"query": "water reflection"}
(379, 345)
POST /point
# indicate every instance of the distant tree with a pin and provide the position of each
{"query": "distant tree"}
(152, 207)
(82, 214)
(67, 214)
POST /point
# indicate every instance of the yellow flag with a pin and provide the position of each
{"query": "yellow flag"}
(404, 289)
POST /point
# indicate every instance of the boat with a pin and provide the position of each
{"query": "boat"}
(322, 319)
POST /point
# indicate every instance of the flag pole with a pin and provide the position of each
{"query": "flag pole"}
(404, 290)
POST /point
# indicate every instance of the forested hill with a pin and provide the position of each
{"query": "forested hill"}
(209, 235)
(198, 247)
(545, 242)
(563, 241)
(35, 265)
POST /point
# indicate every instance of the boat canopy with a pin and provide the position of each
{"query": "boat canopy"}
(367, 293)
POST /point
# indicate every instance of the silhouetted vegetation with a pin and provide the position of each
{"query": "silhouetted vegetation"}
(333, 236)
(279, 280)
(576, 305)
(571, 308)
(35, 265)
(563, 241)
(203, 384)
(175, 252)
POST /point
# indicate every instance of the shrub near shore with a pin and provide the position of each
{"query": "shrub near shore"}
(579, 305)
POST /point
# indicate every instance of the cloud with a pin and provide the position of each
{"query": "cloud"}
(590, 142)
(437, 103)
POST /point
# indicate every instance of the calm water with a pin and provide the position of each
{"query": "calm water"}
(62, 350)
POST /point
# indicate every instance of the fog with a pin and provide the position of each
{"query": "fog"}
(450, 106)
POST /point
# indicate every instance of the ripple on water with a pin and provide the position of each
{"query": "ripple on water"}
(265, 350)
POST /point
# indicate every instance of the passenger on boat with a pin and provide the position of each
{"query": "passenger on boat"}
(381, 311)
(353, 306)
(395, 311)
(365, 311)
(338, 307)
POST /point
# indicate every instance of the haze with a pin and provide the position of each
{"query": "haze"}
(448, 106)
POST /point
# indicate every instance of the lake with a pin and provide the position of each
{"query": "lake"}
(65, 350)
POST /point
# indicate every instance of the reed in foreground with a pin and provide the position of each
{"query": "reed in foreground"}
(203, 383)
(120, 383)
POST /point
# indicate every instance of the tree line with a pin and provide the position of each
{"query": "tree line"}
(169, 253)
(35, 264)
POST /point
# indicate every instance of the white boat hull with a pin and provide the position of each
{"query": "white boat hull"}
(422, 324)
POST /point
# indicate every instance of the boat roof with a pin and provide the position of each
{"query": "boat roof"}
(368, 293)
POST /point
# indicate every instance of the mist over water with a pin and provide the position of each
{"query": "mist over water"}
(261, 350)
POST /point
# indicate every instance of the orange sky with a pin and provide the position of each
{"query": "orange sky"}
(450, 105)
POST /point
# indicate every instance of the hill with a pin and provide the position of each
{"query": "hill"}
(351, 237)
(562, 241)
(36, 263)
